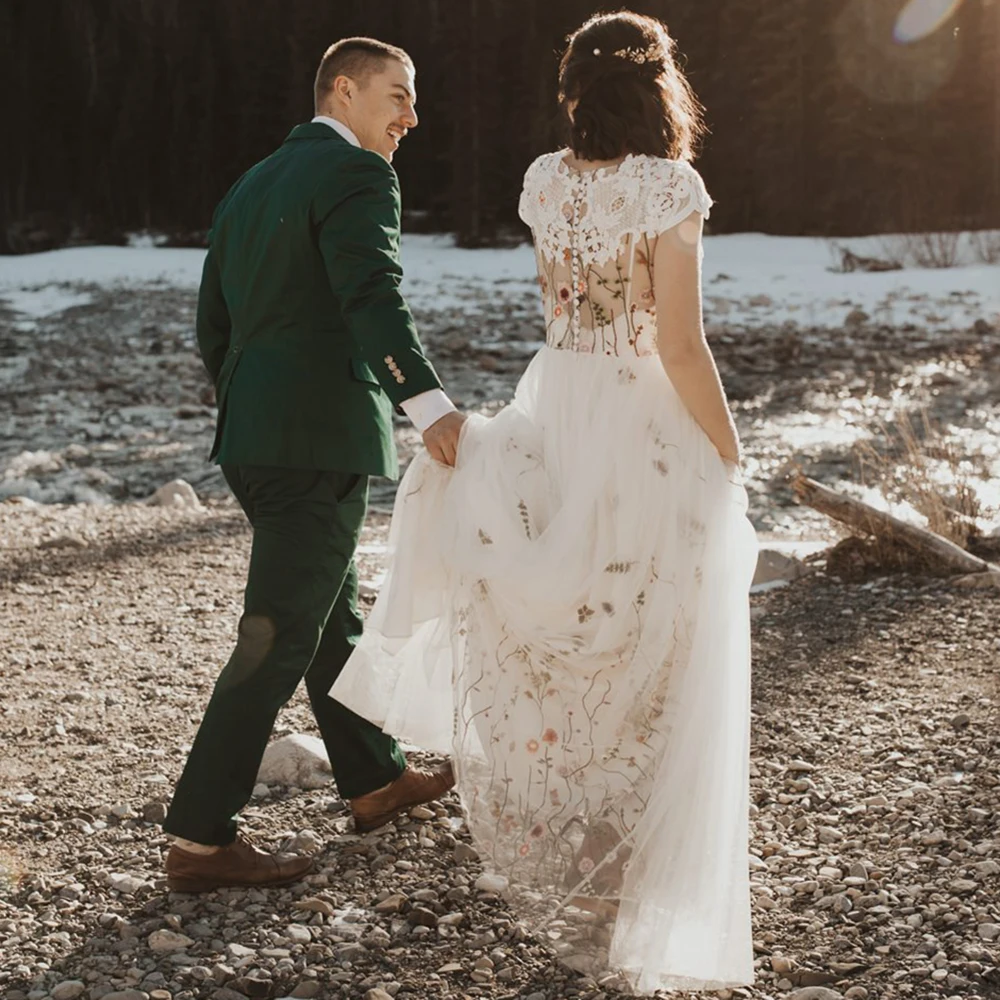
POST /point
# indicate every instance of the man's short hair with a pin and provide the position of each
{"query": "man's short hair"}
(357, 58)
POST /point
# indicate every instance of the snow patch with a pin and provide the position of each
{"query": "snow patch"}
(105, 266)
(749, 279)
(46, 300)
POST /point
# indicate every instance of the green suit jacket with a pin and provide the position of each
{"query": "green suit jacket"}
(301, 323)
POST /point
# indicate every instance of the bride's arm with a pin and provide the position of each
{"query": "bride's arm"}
(680, 335)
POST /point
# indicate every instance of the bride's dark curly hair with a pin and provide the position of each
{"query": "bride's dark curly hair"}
(624, 92)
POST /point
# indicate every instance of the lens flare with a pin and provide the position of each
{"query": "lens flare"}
(920, 18)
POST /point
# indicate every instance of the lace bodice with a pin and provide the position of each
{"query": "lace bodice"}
(595, 235)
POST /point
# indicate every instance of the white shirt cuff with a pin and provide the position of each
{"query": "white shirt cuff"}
(427, 408)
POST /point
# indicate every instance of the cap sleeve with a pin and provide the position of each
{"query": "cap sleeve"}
(677, 191)
(528, 201)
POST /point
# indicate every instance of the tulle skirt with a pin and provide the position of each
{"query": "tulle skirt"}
(566, 615)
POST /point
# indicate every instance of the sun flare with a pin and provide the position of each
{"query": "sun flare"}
(920, 18)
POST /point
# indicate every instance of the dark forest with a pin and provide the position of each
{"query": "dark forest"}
(133, 114)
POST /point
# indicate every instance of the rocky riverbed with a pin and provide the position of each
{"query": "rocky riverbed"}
(106, 400)
(875, 848)
(875, 791)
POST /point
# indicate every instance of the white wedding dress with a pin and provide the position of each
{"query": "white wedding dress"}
(566, 614)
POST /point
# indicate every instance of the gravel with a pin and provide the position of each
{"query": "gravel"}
(875, 796)
(874, 783)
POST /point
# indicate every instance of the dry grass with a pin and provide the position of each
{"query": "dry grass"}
(909, 462)
(915, 465)
(986, 245)
(934, 250)
(929, 250)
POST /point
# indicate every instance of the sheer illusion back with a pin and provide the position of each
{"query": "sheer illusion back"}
(595, 238)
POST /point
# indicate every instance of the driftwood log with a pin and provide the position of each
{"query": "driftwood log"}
(850, 261)
(938, 552)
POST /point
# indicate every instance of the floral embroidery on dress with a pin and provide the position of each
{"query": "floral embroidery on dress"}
(595, 240)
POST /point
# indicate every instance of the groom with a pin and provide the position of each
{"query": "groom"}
(303, 329)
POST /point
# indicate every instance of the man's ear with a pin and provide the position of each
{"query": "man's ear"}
(343, 87)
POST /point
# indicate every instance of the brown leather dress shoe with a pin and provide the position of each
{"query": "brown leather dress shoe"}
(240, 863)
(600, 847)
(413, 787)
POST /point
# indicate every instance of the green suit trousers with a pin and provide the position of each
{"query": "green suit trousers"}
(300, 620)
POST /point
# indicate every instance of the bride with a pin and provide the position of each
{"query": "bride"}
(566, 611)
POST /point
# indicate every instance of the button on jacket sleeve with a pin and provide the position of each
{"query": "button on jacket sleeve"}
(358, 219)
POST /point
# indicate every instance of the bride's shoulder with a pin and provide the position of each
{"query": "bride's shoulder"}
(661, 168)
(545, 164)
(675, 182)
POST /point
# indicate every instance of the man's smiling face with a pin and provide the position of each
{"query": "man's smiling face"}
(381, 108)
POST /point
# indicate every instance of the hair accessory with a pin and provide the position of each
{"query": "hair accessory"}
(650, 54)
(597, 52)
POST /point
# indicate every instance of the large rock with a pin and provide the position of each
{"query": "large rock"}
(491, 883)
(296, 761)
(68, 990)
(307, 990)
(165, 942)
(814, 993)
(176, 493)
(774, 566)
(252, 986)
(127, 885)
(304, 842)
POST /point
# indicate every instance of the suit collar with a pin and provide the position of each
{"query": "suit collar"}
(340, 128)
(314, 130)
